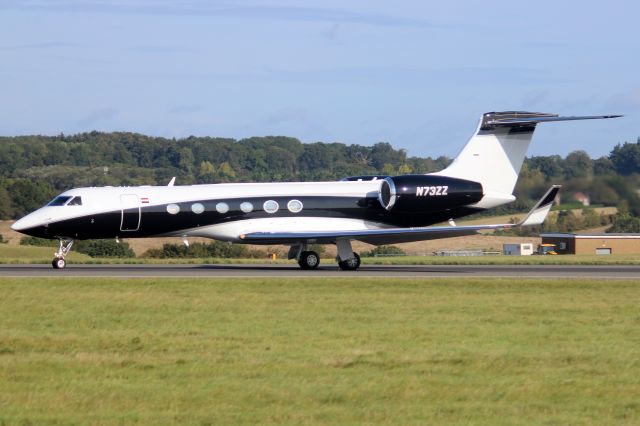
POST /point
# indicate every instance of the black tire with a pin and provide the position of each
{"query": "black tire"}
(309, 260)
(351, 264)
(58, 263)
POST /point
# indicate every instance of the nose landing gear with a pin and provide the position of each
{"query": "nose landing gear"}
(59, 261)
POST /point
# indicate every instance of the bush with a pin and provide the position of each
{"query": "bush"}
(318, 248)
(93, 248)
(201, 250)
(40, 242)
(384, 251)
(2, 240)
(103, 248)
(623, 223)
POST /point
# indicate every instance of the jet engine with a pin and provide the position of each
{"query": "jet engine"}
(427, 193)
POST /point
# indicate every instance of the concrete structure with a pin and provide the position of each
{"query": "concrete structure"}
(594, 243)
(523, 249)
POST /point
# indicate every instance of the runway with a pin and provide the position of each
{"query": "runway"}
(292, 271)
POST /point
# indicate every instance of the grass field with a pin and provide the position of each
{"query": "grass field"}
(330, 351)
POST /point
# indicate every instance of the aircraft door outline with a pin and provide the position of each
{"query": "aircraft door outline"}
(130, 212)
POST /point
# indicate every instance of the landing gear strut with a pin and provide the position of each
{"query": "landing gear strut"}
(58, 261)
(347, 259)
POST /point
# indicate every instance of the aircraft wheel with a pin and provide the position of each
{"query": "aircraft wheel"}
(309, 260)
(58, 263)
(350, 264)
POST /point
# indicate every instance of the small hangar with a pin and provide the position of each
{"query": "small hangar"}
(594, 243)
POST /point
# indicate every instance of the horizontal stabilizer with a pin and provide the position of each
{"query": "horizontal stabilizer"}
(525, 119)
(401, 235)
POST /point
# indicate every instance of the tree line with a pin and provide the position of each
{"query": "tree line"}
(33, 169)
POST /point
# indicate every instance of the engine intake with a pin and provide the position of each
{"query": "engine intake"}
(427, 193)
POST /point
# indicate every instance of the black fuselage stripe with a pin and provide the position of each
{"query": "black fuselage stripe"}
(156, 220)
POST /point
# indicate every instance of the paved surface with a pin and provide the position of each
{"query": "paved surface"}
(242, 271)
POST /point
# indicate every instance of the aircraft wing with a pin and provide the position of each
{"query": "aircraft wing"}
(536, 216)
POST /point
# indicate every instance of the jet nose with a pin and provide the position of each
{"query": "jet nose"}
(32, 220)
(20, 224)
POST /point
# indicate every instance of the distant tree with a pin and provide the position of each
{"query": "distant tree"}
(624, 222)
(601, 192)
(626, 158)
(6, 205)
(603, 166)
(404, 169)
(207, 172)
(29, 194)
(628, 198)
(590, 219)
(550, 166)
(578, 164)
(186, 160)
(226, 172)
(383, 153)
(567, 221)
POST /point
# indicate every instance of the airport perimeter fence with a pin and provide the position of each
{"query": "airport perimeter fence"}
(447, 253)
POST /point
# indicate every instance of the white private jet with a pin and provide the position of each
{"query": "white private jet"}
(372, 209)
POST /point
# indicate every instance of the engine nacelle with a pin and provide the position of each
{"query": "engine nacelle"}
(427, 193)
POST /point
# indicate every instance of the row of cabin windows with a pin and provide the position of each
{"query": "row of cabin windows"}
(269, 206)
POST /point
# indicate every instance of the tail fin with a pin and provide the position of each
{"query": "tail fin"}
(494, 154)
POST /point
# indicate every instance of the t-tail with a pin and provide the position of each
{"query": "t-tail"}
(495, 153)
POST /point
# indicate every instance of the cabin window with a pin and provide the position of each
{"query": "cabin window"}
(60, 200)
(222, 208)
(75, 201)
(294, 206)
(270, 206)
(197, 208)
(173, 209)
(246, 207)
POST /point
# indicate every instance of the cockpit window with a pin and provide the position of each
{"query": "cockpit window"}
(60, 200)
(76, 201)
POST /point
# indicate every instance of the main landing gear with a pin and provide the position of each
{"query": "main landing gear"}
(58, 261)
(350, 264)
(308, 259)
(347, 259)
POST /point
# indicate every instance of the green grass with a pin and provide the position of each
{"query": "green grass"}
(32, 254)
(330, 351)
(16, 254)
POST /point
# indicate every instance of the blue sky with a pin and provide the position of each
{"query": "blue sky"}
(416, 74)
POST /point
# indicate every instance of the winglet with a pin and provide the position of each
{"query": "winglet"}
(539, 212)
(172, 181)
